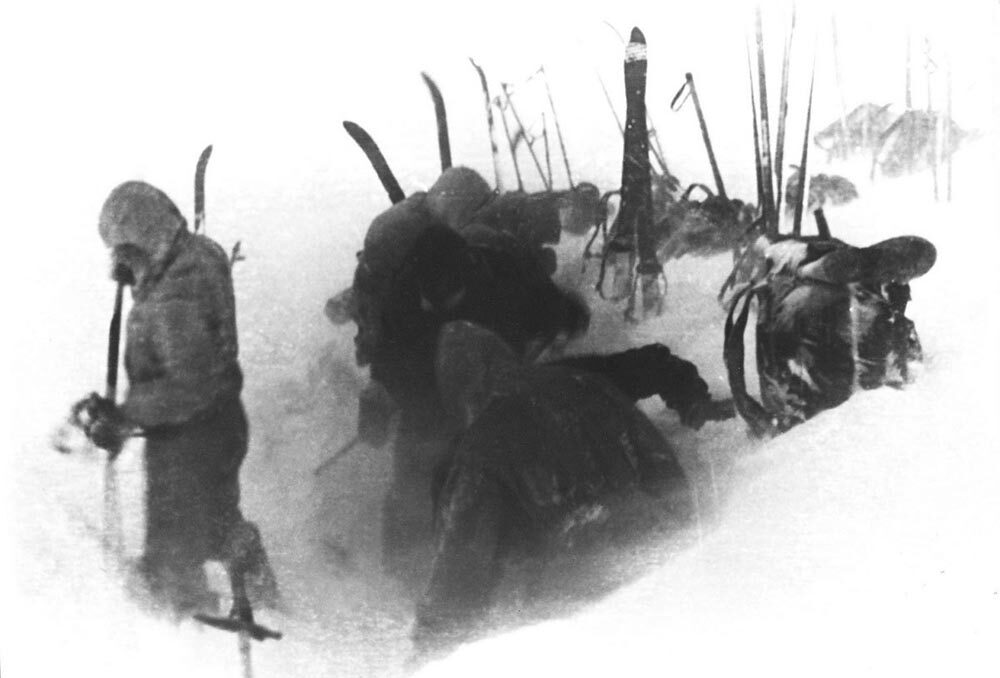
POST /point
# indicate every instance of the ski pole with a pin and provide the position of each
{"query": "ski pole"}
(803, 176)
(555, 119)
(548, 157)
(693, 93)
(510, 103)
(510, 144)
(111, 511)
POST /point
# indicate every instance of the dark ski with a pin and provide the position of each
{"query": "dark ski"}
(494, 149)
(444, 145)
(377, 160)
(199, 188)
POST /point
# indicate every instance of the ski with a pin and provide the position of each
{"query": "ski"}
(199, 188)
(494, 150)
(779, 151)
(377, 160)
(633, 226)
(767, 175)
(444, 145)
(758, 168)
(654, 146)
(803, 175)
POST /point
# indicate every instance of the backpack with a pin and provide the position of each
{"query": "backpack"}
(830, 319)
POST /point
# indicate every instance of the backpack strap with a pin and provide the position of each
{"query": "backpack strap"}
(762, 424)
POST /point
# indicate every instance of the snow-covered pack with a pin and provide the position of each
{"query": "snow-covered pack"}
(830, 319)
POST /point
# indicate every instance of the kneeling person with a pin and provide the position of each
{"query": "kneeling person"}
(543, 444)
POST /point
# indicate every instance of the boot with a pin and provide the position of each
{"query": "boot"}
(178, 590)
(245, 551)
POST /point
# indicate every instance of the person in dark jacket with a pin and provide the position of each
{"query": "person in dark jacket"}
(426, 261)
(545, 449)
(445, 278)
(181, 358)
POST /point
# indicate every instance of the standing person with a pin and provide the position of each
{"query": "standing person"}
(184, 395)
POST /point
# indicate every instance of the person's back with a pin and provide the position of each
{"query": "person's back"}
(542, 444)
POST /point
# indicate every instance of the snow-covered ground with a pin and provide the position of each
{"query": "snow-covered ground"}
(863, 542)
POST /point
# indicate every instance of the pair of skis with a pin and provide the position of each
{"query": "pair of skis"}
(632, 231)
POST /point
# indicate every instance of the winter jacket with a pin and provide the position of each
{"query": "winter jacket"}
(549, 452)
(181, 348)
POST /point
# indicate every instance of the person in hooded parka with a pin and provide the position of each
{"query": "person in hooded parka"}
(543, 446)
(181, 358)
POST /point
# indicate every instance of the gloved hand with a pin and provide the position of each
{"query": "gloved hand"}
(696, 414)
(105, 425)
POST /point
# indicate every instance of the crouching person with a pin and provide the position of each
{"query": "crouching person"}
(545, 446)
(184, 395)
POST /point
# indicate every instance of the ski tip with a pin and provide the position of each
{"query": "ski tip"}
(349, 125)
(636, 49)
(205, 154)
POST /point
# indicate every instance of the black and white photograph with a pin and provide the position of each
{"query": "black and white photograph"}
(500, 338)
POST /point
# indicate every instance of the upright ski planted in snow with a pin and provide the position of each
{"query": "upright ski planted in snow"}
(803, 174)
(632, 233)
(654, 146)
(377, 160)
(444, 144)
(494, 149)
(779, 151)
(756, 139)
(770, 216)
(199, 188)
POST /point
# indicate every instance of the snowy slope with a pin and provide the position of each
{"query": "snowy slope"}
(861, 542)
